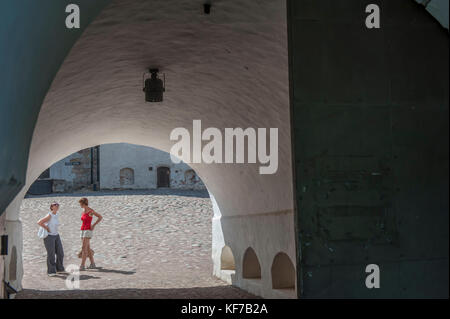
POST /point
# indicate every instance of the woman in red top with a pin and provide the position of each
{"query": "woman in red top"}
(86, 232)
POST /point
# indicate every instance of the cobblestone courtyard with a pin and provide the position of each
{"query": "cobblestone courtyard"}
(152, 244)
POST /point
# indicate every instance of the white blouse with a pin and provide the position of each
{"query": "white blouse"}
(53, 224)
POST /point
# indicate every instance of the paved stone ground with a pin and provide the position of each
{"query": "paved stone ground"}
(151, 244)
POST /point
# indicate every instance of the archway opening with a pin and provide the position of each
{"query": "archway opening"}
(283, 272)
(251, 268)
(149, 237)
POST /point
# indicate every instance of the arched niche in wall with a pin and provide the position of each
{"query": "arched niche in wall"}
(227, 259)
(283, 272)
(251, 267)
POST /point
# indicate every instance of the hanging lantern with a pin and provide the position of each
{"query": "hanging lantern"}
(153, 86)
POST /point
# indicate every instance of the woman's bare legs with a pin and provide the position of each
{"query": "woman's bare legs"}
(84, 250)
(91, 257)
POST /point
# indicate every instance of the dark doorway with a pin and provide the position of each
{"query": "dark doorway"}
(163, 177)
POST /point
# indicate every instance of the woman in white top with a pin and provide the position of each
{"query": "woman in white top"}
(52, 242)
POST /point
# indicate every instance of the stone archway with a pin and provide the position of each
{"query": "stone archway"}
(148, 240)
(96, 99)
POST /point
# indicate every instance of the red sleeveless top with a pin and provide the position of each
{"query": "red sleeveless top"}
(87, 220)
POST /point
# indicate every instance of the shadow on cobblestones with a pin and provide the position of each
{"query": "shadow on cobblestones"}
(222, 292)
(113, 271)
(81, 277)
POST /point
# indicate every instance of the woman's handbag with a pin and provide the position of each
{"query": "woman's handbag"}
(42, 233)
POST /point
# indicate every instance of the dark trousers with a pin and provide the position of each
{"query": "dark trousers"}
(54, 247)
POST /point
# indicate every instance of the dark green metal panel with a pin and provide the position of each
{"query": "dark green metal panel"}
(370, 132)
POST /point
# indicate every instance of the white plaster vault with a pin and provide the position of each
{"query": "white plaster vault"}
(229, 69)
